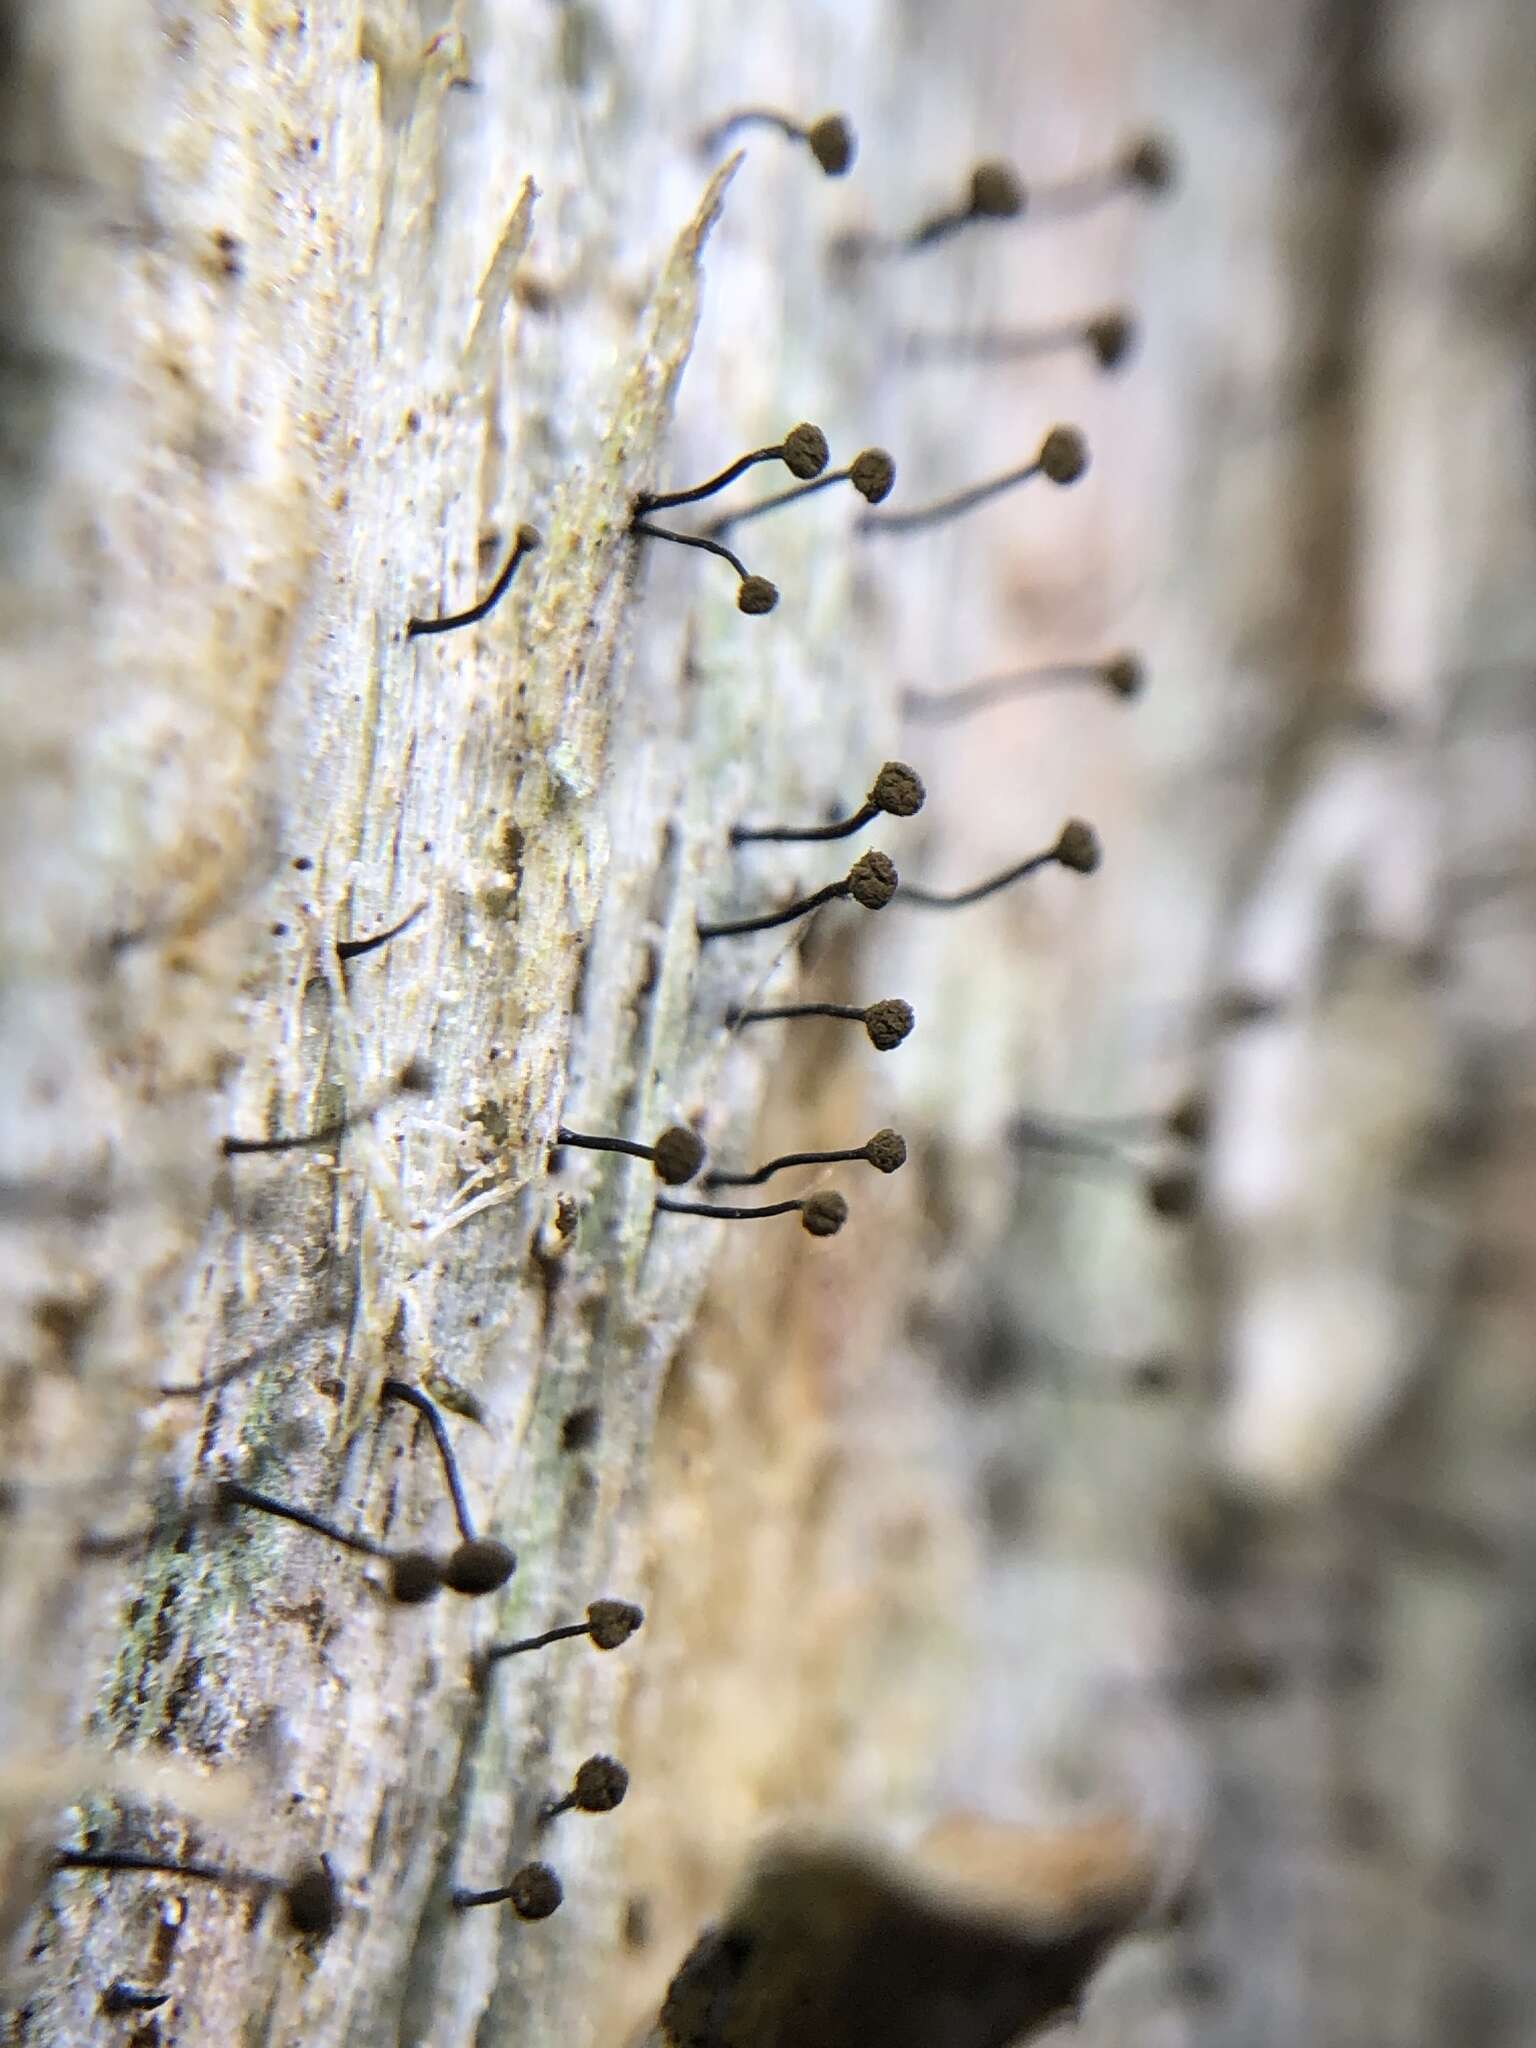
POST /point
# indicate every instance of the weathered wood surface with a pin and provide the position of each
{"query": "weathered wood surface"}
(313, 337)
(914, 1527)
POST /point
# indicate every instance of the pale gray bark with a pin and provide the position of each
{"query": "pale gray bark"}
(294, 345)
(1281, 1583)
(310, 333)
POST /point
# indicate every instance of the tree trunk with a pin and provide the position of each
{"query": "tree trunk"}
(1015, 1498)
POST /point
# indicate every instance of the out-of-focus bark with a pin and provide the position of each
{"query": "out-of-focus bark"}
(1016, 1500)
(1372, 1192)
(1262, 1484)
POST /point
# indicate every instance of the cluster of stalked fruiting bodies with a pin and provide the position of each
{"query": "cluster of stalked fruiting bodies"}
(479, 1565)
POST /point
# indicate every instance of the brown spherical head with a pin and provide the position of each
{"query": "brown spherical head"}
(534, 1892)
(311, 1900)
(529, 538)
(997, 191)
(600, 1785)
(1150, 163)
(1125, 674)
(756, 595)
(1234, 1009)
(611, 1623)
(1063, 455)
(1174, 1195)
(872, 880)
(679, 1153)
(414, 1576)
(872, 474)
(888, 1023)
(899, 790)
(416, 1077)
(1111, 338)
(825, 1214)
(805, 453)
(887, 1151)
(1077, 847)
(1190, 1119)
(833, 144)
(1156, 1374)
(483, 1566)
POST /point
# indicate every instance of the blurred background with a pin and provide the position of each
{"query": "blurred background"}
(1149, 1470)
(1219, 1519)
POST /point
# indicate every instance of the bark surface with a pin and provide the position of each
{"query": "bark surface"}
(1015, 1499)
